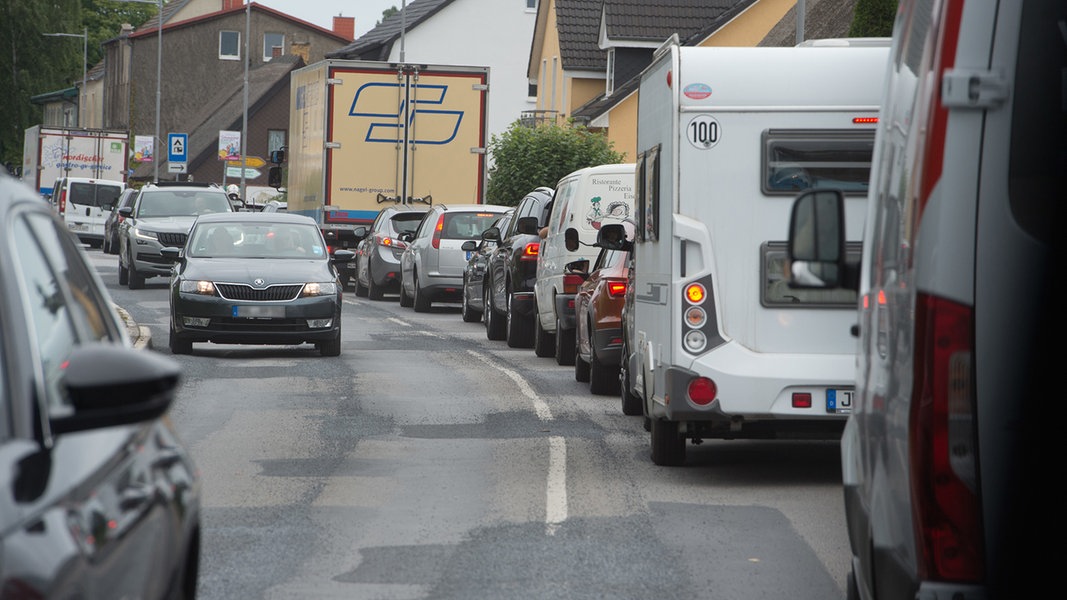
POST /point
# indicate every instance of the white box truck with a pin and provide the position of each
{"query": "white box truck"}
(50, 153)
(363, 134)
(718, 345)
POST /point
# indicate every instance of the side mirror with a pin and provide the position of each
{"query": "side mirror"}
(612, 237)
(570, 239)
(527, 225)
(577, 267)
(405, 236)
(360, 232)
(469, 246)
(817, 240)
(277, 156)
(126, 211)
(274, 176)
(171, 253)
(492, 234)
(342, 255)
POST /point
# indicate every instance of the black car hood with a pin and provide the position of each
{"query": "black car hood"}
(247, 270)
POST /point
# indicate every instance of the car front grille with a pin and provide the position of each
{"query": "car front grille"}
(237, 291)
(172, 240)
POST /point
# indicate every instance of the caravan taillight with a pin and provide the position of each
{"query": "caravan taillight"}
(702, 391)
(864, 120)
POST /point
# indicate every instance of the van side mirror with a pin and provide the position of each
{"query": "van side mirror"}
(277, 156)
(817, 242)
(570, 239)
(274, 176)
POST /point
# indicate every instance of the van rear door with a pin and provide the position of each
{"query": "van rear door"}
(87, 206)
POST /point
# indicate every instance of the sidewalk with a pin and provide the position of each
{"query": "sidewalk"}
(140, 335)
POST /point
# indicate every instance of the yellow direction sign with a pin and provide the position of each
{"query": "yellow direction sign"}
(250, 161)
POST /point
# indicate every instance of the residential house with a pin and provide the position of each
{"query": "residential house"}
(484, 33)
(203, 46)
(587, 55)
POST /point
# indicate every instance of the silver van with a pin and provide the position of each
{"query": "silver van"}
(951, 453)
(84, 204)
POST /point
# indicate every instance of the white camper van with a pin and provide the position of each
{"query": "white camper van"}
(718, 345)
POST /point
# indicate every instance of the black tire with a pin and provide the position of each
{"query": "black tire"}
(581, 369)
(544, 342)
(374, 291)
(124, 274)
(405, 300)
(564, 345)
(632, 404)
(668, 446)
(852, 590)
(135, 280)
(468, 313)
(494, 321)
(421, 301)
(519, 331)
(331, 347)
(603, 379)
(361, 290)
(178, 345)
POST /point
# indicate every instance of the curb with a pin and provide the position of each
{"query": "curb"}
(140, 335)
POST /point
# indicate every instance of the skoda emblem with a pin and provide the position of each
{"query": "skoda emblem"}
(258, 282)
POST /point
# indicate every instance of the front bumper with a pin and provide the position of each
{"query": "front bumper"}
(223, 327)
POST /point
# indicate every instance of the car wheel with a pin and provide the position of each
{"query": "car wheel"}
(124, 274)
(668, 446)
(331, 347)
(518, 331)
(544, 342)
(631, 403)
(564, 345)
(405, 300)
(374, 291)
(178, 345)
(135, 279)
(581, 368)
(361, 290)
(603, 379)
(107, 244)
(421, 302)
(494, 325)
(468, 313)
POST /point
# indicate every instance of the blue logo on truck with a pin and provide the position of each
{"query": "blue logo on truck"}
(424, 97)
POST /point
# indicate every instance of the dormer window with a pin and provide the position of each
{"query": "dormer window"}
(273, 45)
(610, 79)
(229, 45)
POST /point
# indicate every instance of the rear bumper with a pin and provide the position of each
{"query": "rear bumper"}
(565, 311)
(522, 304)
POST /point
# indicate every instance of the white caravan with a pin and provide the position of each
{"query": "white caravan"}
(718, 344)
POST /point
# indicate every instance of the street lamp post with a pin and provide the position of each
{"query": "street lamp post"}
(85, 65)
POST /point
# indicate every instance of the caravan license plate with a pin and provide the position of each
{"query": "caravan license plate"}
(839, 401)
(259, 312)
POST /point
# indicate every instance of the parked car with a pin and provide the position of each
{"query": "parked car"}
(585, 200)
(255, 278)
(512, 271)
(160, 217)
(377, 264)
(111, 224)
(598, 310)
(431, 267)
(474, 273)
(98, 496)
(84, 204)
(950, 453)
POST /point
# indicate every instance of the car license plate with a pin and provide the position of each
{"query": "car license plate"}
(258, 312)
(839, 401)
(78, 227)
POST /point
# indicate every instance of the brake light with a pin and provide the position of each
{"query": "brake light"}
(571, 283)
(943, 448)
(616, 288)
(702, 391)
(864, 120)
(436, 240)
(62, 201)
(385, 240)
(531, 251)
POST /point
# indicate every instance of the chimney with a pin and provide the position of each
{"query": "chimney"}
(345, 27)
(228, 4)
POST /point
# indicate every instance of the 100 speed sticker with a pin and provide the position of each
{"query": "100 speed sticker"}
(703, 132)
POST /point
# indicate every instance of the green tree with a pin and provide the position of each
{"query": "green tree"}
(525, 158)
(873, 18)
(392, 10)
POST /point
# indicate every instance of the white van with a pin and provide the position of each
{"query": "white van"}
(718, 346)
(954, 447)
(85, 204)
(583, 200)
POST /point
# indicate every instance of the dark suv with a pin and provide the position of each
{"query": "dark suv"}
(512, 270)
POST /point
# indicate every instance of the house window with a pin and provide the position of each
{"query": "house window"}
(531, 90)
(275, 140)
(270, 42)
(531, 5)
(229, 45)
(611, 73)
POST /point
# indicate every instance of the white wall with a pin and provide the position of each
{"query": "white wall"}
(492, 33)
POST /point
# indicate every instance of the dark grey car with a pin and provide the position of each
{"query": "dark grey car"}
(377, 263)
(111, 224)
(98, 496)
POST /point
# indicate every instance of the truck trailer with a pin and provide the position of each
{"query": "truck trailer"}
(51, 153)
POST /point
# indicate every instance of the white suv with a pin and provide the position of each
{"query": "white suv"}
(951, 454)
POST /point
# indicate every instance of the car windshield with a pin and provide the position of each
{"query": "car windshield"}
(178, 203)
(256, 240)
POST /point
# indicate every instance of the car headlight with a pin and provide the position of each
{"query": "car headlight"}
(192, 286)
(144, 234)
(319, 289)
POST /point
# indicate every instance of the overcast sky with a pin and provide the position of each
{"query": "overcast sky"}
(322, 12)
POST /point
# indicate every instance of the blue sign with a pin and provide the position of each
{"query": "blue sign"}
(177, 147)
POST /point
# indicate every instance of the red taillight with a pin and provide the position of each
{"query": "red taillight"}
(571, 283)
(943, 447)
(801, 400)
(62, 201)
(616, 288)
(531, 251)
(385, 240)
(702, 391)
(864, 120)
(436, 240)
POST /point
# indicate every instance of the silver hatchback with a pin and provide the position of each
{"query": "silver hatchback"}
(431, 267)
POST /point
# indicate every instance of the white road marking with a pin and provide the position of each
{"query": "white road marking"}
(542, 410)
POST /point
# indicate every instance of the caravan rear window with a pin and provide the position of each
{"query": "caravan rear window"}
(797, 160)
(776, 292)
